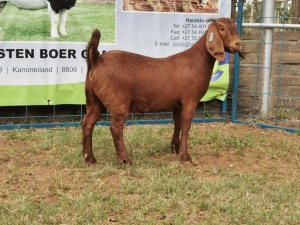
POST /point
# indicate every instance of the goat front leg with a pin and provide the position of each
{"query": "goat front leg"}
(175, 143)
(63, 14)
(54, 21)
(186, 117)
(116, 129)
(54, 25)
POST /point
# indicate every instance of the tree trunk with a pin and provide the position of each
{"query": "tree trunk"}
(254, 11)
(233, 9)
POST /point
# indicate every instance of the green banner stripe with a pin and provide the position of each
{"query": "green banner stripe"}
(59, 94)
(42, 94)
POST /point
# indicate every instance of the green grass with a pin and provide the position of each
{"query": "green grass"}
(240, 175)
(26, 25)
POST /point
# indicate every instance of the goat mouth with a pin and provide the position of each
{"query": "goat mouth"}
(242, 55)
(233, 50)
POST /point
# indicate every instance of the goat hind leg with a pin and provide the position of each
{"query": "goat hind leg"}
(88, 123)
(116, 129)
(54, 21)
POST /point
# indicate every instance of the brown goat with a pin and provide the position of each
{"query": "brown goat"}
(126, 82)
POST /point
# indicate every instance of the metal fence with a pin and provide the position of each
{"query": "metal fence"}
(265, 90)
(266, 87)
(24, 117)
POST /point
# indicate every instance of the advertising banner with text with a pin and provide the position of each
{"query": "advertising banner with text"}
(39, 68)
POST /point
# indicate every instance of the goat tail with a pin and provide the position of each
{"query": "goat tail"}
(92, 49)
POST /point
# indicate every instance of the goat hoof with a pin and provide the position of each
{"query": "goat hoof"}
(175, 149)
(90, 160)
(186, 158)
(54, 36)
(126, 161)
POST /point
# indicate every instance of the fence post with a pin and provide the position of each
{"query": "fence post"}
(236, 72)
(268, 18)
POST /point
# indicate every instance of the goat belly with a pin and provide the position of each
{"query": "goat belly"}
(29, 4)
(144, 106)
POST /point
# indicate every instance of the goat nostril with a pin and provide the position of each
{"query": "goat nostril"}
(238, 43)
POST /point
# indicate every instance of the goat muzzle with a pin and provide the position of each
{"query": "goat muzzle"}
(235, 46)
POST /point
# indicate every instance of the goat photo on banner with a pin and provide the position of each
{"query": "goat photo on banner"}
(58, 11)
(176, 6)
(42, 46)
(47, 20)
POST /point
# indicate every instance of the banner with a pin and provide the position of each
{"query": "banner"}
(37, 69)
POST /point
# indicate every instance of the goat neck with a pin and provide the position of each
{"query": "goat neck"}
(202, 60)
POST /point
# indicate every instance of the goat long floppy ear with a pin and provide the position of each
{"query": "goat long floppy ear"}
(214, 43)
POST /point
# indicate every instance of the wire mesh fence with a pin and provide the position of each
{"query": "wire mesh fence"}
(71, 115)
(267, 85)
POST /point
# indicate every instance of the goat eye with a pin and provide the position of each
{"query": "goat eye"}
(221, 28)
